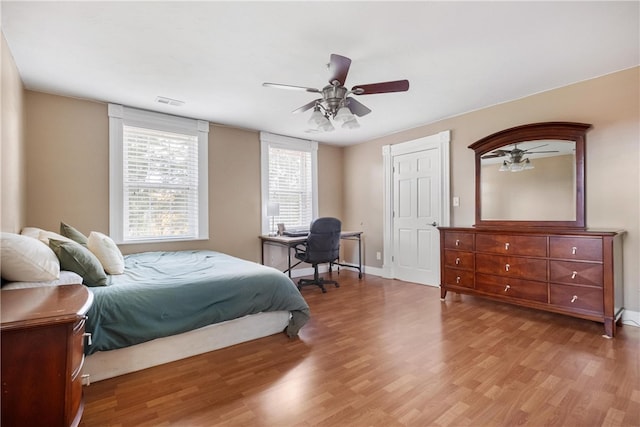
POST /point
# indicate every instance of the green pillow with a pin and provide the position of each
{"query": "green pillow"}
(73, 234)
(75, 257)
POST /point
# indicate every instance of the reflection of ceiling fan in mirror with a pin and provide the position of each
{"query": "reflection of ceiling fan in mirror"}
(516, 161)
(336, 102)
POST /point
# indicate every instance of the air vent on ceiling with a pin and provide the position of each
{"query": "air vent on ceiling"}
(169, 101)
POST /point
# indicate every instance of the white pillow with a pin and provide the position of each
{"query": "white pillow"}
(66, 278)
(24, 259)
(106, 250)
(44, 237)
(31, 232)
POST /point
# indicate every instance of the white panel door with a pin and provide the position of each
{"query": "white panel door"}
(416, 211)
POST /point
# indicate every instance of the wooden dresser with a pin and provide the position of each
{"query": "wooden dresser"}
(42, 336)
(577, 273)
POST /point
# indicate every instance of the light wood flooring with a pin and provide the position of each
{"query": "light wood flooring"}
(382, 352)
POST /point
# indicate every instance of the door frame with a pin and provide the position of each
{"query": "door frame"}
(441, 142)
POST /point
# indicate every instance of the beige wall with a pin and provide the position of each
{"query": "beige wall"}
(610, 103)
(67, 144)
(12, 158)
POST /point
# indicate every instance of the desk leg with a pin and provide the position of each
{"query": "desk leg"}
(262, 252)
(359, 256)
(289, 260)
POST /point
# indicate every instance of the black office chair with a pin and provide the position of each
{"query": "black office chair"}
(322, 246)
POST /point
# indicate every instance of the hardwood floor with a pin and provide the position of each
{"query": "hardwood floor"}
(382, 352)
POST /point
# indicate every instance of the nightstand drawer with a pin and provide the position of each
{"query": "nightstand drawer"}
(75, 396)
(576, 273)
(77, 347)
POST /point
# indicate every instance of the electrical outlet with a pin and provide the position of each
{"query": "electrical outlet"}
(378, 256)
(456, 201)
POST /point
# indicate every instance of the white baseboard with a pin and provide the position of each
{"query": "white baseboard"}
(374, 271)
(631, 318)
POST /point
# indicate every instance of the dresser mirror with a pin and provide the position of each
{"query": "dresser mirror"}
(531, 176)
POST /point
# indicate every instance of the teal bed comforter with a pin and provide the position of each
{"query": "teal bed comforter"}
(167, 293)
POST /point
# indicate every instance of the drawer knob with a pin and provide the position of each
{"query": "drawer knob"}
(574, 250)
(575, 298)
(87, 335)
(506, 267)
(457, 242)
(506, 246)
(506, 288)
(458, 280)
(457, 261)
(86, 379)
(574, 274)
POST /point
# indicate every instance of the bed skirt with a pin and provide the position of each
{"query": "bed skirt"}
(109, 364)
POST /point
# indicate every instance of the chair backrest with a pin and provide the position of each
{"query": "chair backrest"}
(323, 242)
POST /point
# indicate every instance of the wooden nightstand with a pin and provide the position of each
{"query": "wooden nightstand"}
(42, 339)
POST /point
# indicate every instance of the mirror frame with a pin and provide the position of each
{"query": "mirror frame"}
(567, 131)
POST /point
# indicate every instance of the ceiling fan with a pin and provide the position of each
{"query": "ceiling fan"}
(335, 102)
(516, 161)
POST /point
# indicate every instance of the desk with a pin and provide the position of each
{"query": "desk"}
(290, 242)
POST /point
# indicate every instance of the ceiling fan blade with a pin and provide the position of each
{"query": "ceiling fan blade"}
(357, 107)
(306, 107)
(290, 87)
(493, 155)
(384, 87)
(529, 149)
(538, 152)
(338, 68)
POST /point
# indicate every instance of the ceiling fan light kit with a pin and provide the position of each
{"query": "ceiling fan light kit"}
(351, 124)
(336, 104)
(516, 162)
(522, 165)
(344, 115)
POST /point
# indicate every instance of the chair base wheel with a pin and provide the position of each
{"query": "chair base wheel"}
(317, 282)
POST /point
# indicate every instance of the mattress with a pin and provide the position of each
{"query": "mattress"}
(167, 293)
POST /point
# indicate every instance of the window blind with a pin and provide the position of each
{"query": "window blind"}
(160, 184)
(291, 185)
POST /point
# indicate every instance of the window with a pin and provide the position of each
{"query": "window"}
(158, 176)
(289, 178)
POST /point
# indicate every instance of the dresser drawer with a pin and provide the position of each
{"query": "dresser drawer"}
(570, 272)
(454, 277)
(458, 240)
(507, 266)
(579, 248)
(513, 288)
(577, 297)
(459, 259)
(512, 244)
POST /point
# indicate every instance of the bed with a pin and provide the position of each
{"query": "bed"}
(171, 305)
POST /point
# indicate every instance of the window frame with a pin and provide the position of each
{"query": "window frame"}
(119, 116)
(268, 140)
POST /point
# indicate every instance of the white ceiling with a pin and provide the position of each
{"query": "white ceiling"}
(214, 56)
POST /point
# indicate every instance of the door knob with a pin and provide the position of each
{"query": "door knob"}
(435, 224)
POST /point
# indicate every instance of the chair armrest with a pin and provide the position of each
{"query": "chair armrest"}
(300, 248)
